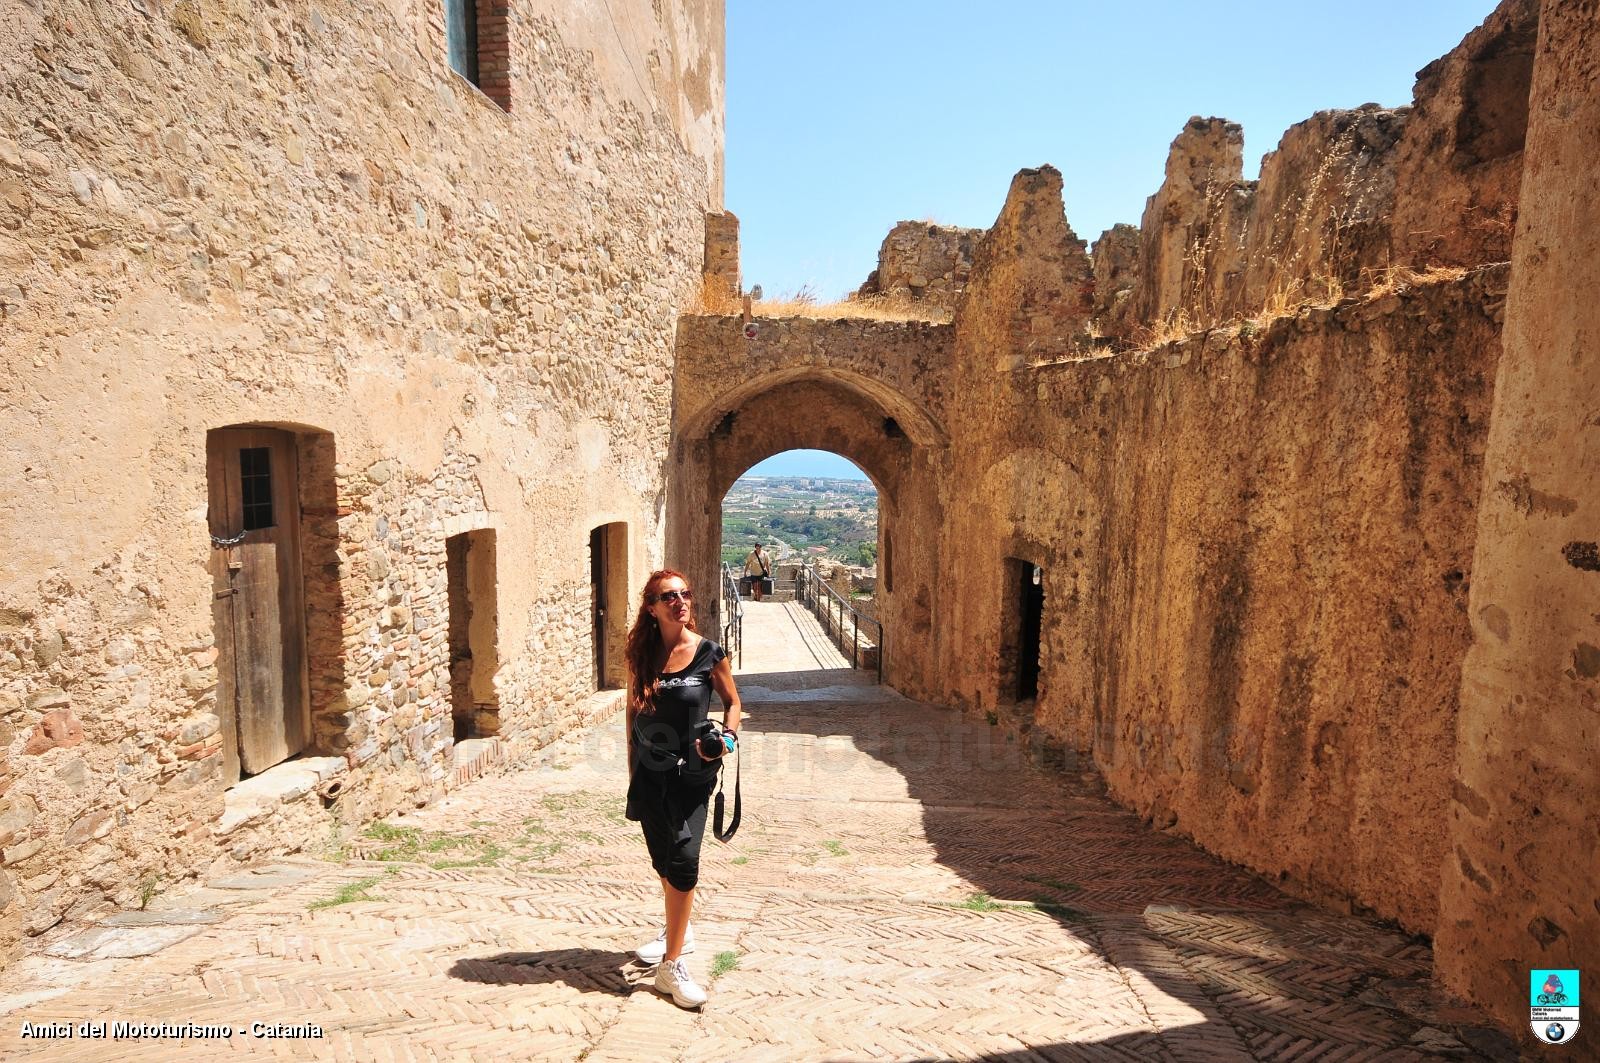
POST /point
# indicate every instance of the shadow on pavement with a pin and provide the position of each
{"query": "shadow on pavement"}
(587, 970)
(1244, 970)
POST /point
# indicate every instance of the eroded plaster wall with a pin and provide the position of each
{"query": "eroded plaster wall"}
(298, 215)
(1268, 545)
(1521, 870)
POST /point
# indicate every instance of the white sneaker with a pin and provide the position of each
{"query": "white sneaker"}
(651, 952)
(673, 980)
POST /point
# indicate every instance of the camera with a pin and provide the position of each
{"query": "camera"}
(710, 740)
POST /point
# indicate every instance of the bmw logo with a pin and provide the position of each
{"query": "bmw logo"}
(1555, 1032)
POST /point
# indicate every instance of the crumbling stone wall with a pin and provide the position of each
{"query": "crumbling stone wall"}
(1520, 867)
(923, 262)
(1319, 222)
(1266, 545)
(1347, 197)
(1191, 257)
(1228, 635)
(298, 216)
(1115, 259)
(1032, 287)
(722, 255)
(1460, 164)
(1255, 541)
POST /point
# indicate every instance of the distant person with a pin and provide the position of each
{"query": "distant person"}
(672, 670)
(759, 568)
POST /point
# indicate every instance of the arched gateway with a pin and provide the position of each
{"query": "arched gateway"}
(870, 391)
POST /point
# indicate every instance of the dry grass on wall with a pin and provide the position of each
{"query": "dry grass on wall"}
(715, 299)
(1289, 299)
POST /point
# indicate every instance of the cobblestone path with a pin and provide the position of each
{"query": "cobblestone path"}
(904, 886)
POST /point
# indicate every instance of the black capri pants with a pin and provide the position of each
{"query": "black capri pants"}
(672, 810)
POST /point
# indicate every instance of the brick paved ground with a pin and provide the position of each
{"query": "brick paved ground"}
(904, 886)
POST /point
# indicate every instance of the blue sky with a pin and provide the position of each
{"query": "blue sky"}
(846, 118)
(807, 463)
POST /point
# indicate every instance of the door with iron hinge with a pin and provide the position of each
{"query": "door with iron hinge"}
(258, 597)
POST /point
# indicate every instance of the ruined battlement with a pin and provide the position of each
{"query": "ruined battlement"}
(923, 262)
(1348, 199)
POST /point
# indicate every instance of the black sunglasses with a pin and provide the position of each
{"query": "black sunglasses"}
(672, 596)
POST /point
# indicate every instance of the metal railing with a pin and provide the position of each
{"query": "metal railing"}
(732, 617)
(830, 607)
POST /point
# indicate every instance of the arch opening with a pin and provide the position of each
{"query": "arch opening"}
(897, 457)
(801, 531)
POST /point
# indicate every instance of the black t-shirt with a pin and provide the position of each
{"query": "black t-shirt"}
(667, 735)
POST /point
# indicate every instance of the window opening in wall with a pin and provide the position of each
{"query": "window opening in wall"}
(478, 45)
(255, 487)
(461, 37)
(1022, 621)
(474, 645)
(608, 583)
(1032, 619)
(258, 597)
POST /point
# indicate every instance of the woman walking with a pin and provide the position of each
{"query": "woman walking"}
(672, 670)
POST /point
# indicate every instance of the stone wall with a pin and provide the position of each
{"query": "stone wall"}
(1255, 545)
(1319, 221)
(923, 262)
(722, 255)
(1347, 198)
(1255, 541)
(1460, 164)
(1192, 235)
(1266, 545)
(298, 216)
(1520, 868)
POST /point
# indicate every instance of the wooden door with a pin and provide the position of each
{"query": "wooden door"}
(599, 569)
(258, 597)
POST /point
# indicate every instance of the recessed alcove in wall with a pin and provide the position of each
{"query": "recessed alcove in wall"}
(470, 571)
(1021, 621)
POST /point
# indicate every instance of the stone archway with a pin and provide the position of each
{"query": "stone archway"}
(721, 431)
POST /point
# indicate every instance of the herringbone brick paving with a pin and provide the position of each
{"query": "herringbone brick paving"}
(905, 885)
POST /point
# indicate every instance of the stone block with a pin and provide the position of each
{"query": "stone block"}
(199, 728)
(113, 942)
(269, 877)
(46, 912)
(59, 728)
(49, 698)
(86, 828)
(163, 917)
(75, 774)
(15, 816)
(16, 854)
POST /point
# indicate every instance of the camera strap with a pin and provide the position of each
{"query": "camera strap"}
(722, 786)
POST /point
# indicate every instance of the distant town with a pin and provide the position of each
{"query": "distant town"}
(815, 516)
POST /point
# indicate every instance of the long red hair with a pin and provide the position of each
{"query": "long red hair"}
(645, 647)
